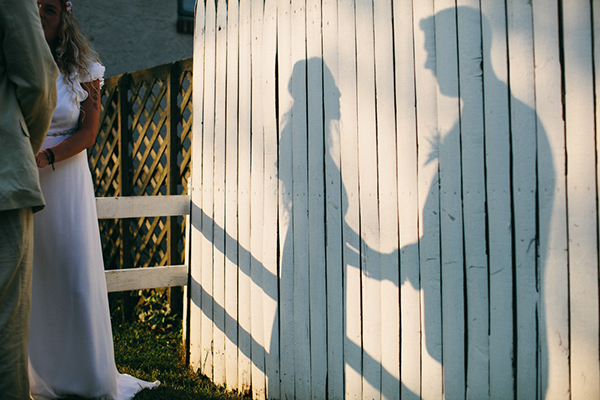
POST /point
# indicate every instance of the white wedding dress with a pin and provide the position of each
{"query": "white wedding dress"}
(70, 344)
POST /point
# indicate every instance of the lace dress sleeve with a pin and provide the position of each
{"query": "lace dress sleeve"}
(95, 72)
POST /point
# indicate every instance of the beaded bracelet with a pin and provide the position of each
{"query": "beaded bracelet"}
(50, 156)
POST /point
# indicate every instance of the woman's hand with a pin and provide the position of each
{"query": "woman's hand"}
(41, 160)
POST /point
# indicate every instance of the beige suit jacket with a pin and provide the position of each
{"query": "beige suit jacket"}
(27, 100)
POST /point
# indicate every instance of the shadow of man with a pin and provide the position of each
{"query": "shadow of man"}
(497, 335)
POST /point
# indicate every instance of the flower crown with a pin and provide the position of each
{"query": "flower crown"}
(68, 6)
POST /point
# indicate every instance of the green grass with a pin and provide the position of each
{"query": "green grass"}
(153, 355)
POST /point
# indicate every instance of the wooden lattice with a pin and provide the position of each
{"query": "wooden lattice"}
(143, 148)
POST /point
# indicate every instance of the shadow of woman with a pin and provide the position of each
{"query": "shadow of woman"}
(309, 191)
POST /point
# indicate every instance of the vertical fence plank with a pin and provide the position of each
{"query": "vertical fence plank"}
(369, 207)
(208, 193)
(257, 204)
(186, 309)
(429, 251)
(270, 243)
(388, 201)
(195, 289)
(316, 201)
(473, 152)
(554, 312)
(299, 204)
(286, 281)
(496, 102)
(244, 143)
(333, 204)
(523, 140)
(349, 172)
(231, 199)
(582, 203)
(219, 196)
(406, 125)
(450, 200)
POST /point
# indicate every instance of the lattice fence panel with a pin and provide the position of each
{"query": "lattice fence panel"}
(143, 148)
(185, 105)
(105, 165)
(184, 154)
(149, 110)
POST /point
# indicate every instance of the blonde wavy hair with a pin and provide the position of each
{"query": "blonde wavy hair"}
(72, 51)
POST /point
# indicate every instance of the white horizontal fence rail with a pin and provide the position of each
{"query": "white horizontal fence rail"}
(396, 198)
(139, 207)
(142, 206)
(146, 278)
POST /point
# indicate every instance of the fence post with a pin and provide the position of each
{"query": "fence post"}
(125, 184)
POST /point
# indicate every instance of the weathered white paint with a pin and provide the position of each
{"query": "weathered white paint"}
(195, 288)
(349, 182)
(333, 205)
(219, 283)
(473, 197)
(406, 152)
(270, 218)
(428, 244)
(389, 295)
(554, 276)
(368, 205)
(118, 280)
(496, 105)
(284, 166)
(582, 200)
(316, 201)
(138, 207)
(297, 266)
(231, 203)
(257, 203)
(451, 229)
(244, 195)
(207, 227)
(523, 138)
(142, 206)
(405, 213)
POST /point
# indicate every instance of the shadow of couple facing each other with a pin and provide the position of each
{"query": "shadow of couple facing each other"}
(459, 339)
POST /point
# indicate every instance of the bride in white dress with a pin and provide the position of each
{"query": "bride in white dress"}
(71, 346)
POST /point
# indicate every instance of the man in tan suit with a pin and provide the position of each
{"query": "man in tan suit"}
(27, 99)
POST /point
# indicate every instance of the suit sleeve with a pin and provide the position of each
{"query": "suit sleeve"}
(30, 66)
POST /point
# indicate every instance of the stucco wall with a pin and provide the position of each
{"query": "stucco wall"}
(133, 34)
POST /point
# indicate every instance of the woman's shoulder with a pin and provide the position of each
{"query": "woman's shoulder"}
(91, 72)
(95, 71)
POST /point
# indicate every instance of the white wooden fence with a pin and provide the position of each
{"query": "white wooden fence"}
(396, 198)
(145, 206)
